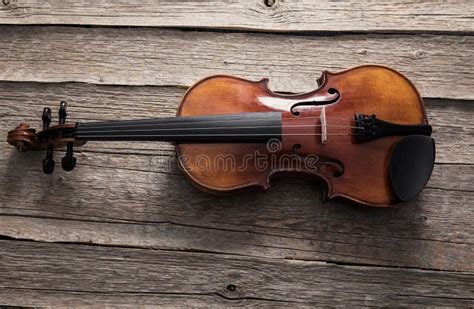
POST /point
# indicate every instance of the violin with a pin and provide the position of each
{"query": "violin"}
(363, 132)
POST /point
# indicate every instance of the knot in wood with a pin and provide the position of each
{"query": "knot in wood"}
(269, 3)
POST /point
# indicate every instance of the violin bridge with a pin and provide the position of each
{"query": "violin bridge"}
(322, 118)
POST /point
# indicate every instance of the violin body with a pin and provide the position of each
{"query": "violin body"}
(363, 132)
(366, 89)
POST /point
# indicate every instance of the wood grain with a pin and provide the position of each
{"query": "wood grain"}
(419, 236)
(352, 15)
(126, 228)
(132, 194)
(163, 277)
(439, 65)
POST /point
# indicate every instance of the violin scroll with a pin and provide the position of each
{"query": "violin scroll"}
(24, 139)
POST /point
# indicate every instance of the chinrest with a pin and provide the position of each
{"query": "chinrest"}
(411, 165)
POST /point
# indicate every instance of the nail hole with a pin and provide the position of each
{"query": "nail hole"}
(269, 3)
(231, 287)
(332, 91)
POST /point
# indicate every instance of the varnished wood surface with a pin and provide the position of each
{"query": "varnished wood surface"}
(366, 89)
(126, 228)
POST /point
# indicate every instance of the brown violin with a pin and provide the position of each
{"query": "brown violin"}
(363, 131)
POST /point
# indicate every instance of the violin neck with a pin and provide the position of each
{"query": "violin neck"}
(234, 128)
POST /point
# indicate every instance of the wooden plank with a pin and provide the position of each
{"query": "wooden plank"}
(113, 206)
(179, 278)
(134, 195)
(453, 128)
(432, 243)
(352, 15)
(439, 65)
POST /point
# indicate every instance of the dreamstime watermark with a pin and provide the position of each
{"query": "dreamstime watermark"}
(269, 158)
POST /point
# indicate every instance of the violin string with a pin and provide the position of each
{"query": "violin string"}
(155, 127)
(179, 120)
(318, 117)
(220, 134)
(107, 129)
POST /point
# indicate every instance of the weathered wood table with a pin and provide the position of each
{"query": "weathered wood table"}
(127, 228)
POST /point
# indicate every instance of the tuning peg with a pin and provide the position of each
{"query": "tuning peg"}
(46, 117)
(48, 162)
(68, 162)
(62, 112)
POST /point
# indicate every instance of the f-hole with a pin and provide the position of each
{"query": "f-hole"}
(331, 97)
(337, 166)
